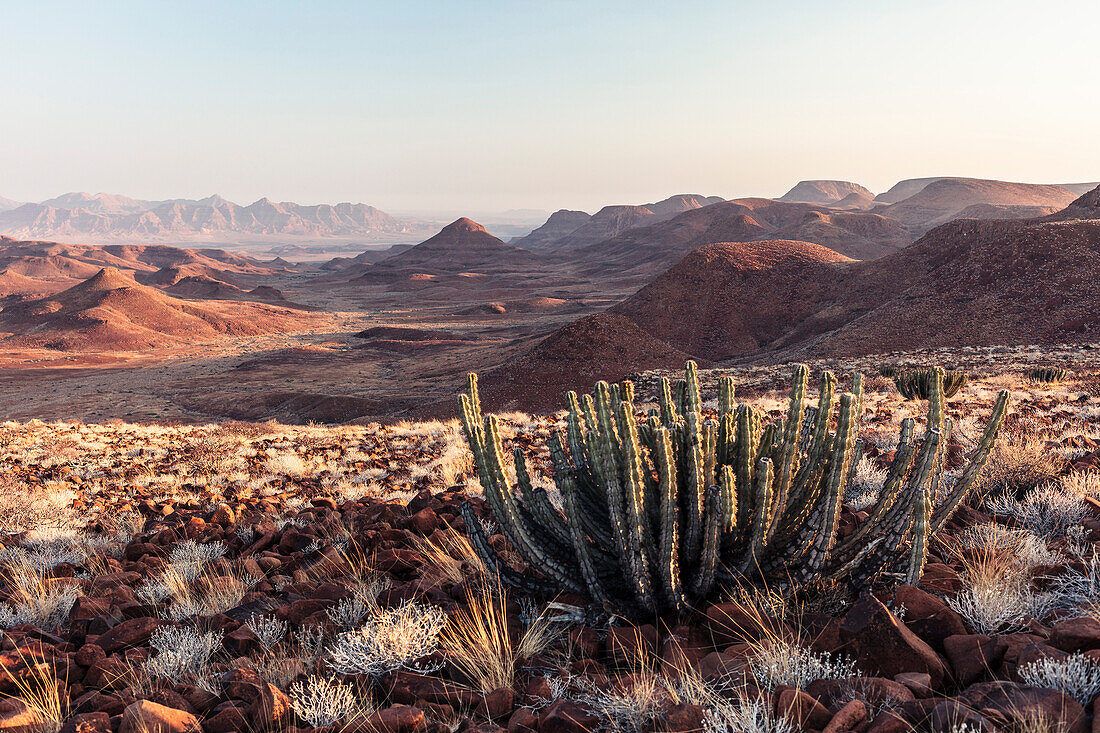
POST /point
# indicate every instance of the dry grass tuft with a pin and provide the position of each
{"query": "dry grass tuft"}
(46, 697)
(478, 642)
(449, 556)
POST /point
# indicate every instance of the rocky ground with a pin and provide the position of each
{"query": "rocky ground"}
(261, 577)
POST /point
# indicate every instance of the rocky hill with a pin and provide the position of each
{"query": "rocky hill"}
(729, 299)
(940, 200)
(607, 222)
(113, 312)
(54, 266)
(825, 192)
(461, 246)
(649, 250)
(966, 283)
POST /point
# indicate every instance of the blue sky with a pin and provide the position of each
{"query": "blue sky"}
(494, 105)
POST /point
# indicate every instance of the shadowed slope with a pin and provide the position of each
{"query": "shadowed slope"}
(730, 299)
(604, 346)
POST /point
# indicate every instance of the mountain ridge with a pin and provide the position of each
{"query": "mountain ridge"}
(78, 214)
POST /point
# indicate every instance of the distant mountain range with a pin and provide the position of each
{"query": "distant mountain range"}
(104, 216)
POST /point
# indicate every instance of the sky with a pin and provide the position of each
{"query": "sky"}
(487, 106)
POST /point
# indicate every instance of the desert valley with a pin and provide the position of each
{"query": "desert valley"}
(152, 331)
(240, 496)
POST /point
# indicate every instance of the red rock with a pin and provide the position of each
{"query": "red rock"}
(134, 632)
(16, 717)
(1036, 652)
(627, 645)
(883, 646)
(920, 683)
(144, 716)
(243, 683)
(1015, 702)
(1076, 634)
(498, 704)
(485, 728)
(110, 673)
(408, 687)
(523, 720)
(953, 715)
(876, 691)
(973, 656)
(296, 612)
(397, 561)
(293, 541)
(89, 654)
(242, 641)
(230, 720)
(169, 698)
(721, 663)
(730, 623)
(1014, 646)
(424, 522)
(396, 719)
(586, 642)
(97, 722)
(887, 722)
(928, 616)
(270, 709)
(565, 716)
(538, 692)
(223, 514)
(683, 649)
(88, 607)
(802, 709)
(941, 579)
(847, 718)
(681, 719)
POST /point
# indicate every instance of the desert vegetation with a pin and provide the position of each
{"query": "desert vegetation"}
(885, 564)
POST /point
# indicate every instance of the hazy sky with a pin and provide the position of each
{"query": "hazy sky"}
(469, 105)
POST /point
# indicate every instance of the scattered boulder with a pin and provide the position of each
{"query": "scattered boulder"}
(882, 645)
(145, 716)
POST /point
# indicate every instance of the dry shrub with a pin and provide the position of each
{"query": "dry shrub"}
(1017, 464)
(24, 508)
(34, 598)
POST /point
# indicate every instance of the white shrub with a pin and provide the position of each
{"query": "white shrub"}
(347, 612)
(1000, 603)
(268, 629)
(1083, 483)
(1077, 675)
(47, 610)
(321, 702)
(1024, 544)
(628, 708)
(866, 485)
(1050, 511)
(776, 662)
(389, 640)
(311, 643)
(181, 651)
(745, 716)
(189, 557)
(1077, 589)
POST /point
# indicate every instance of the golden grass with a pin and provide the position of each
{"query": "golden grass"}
(46, 696)
(449, 555)
(478, 642)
